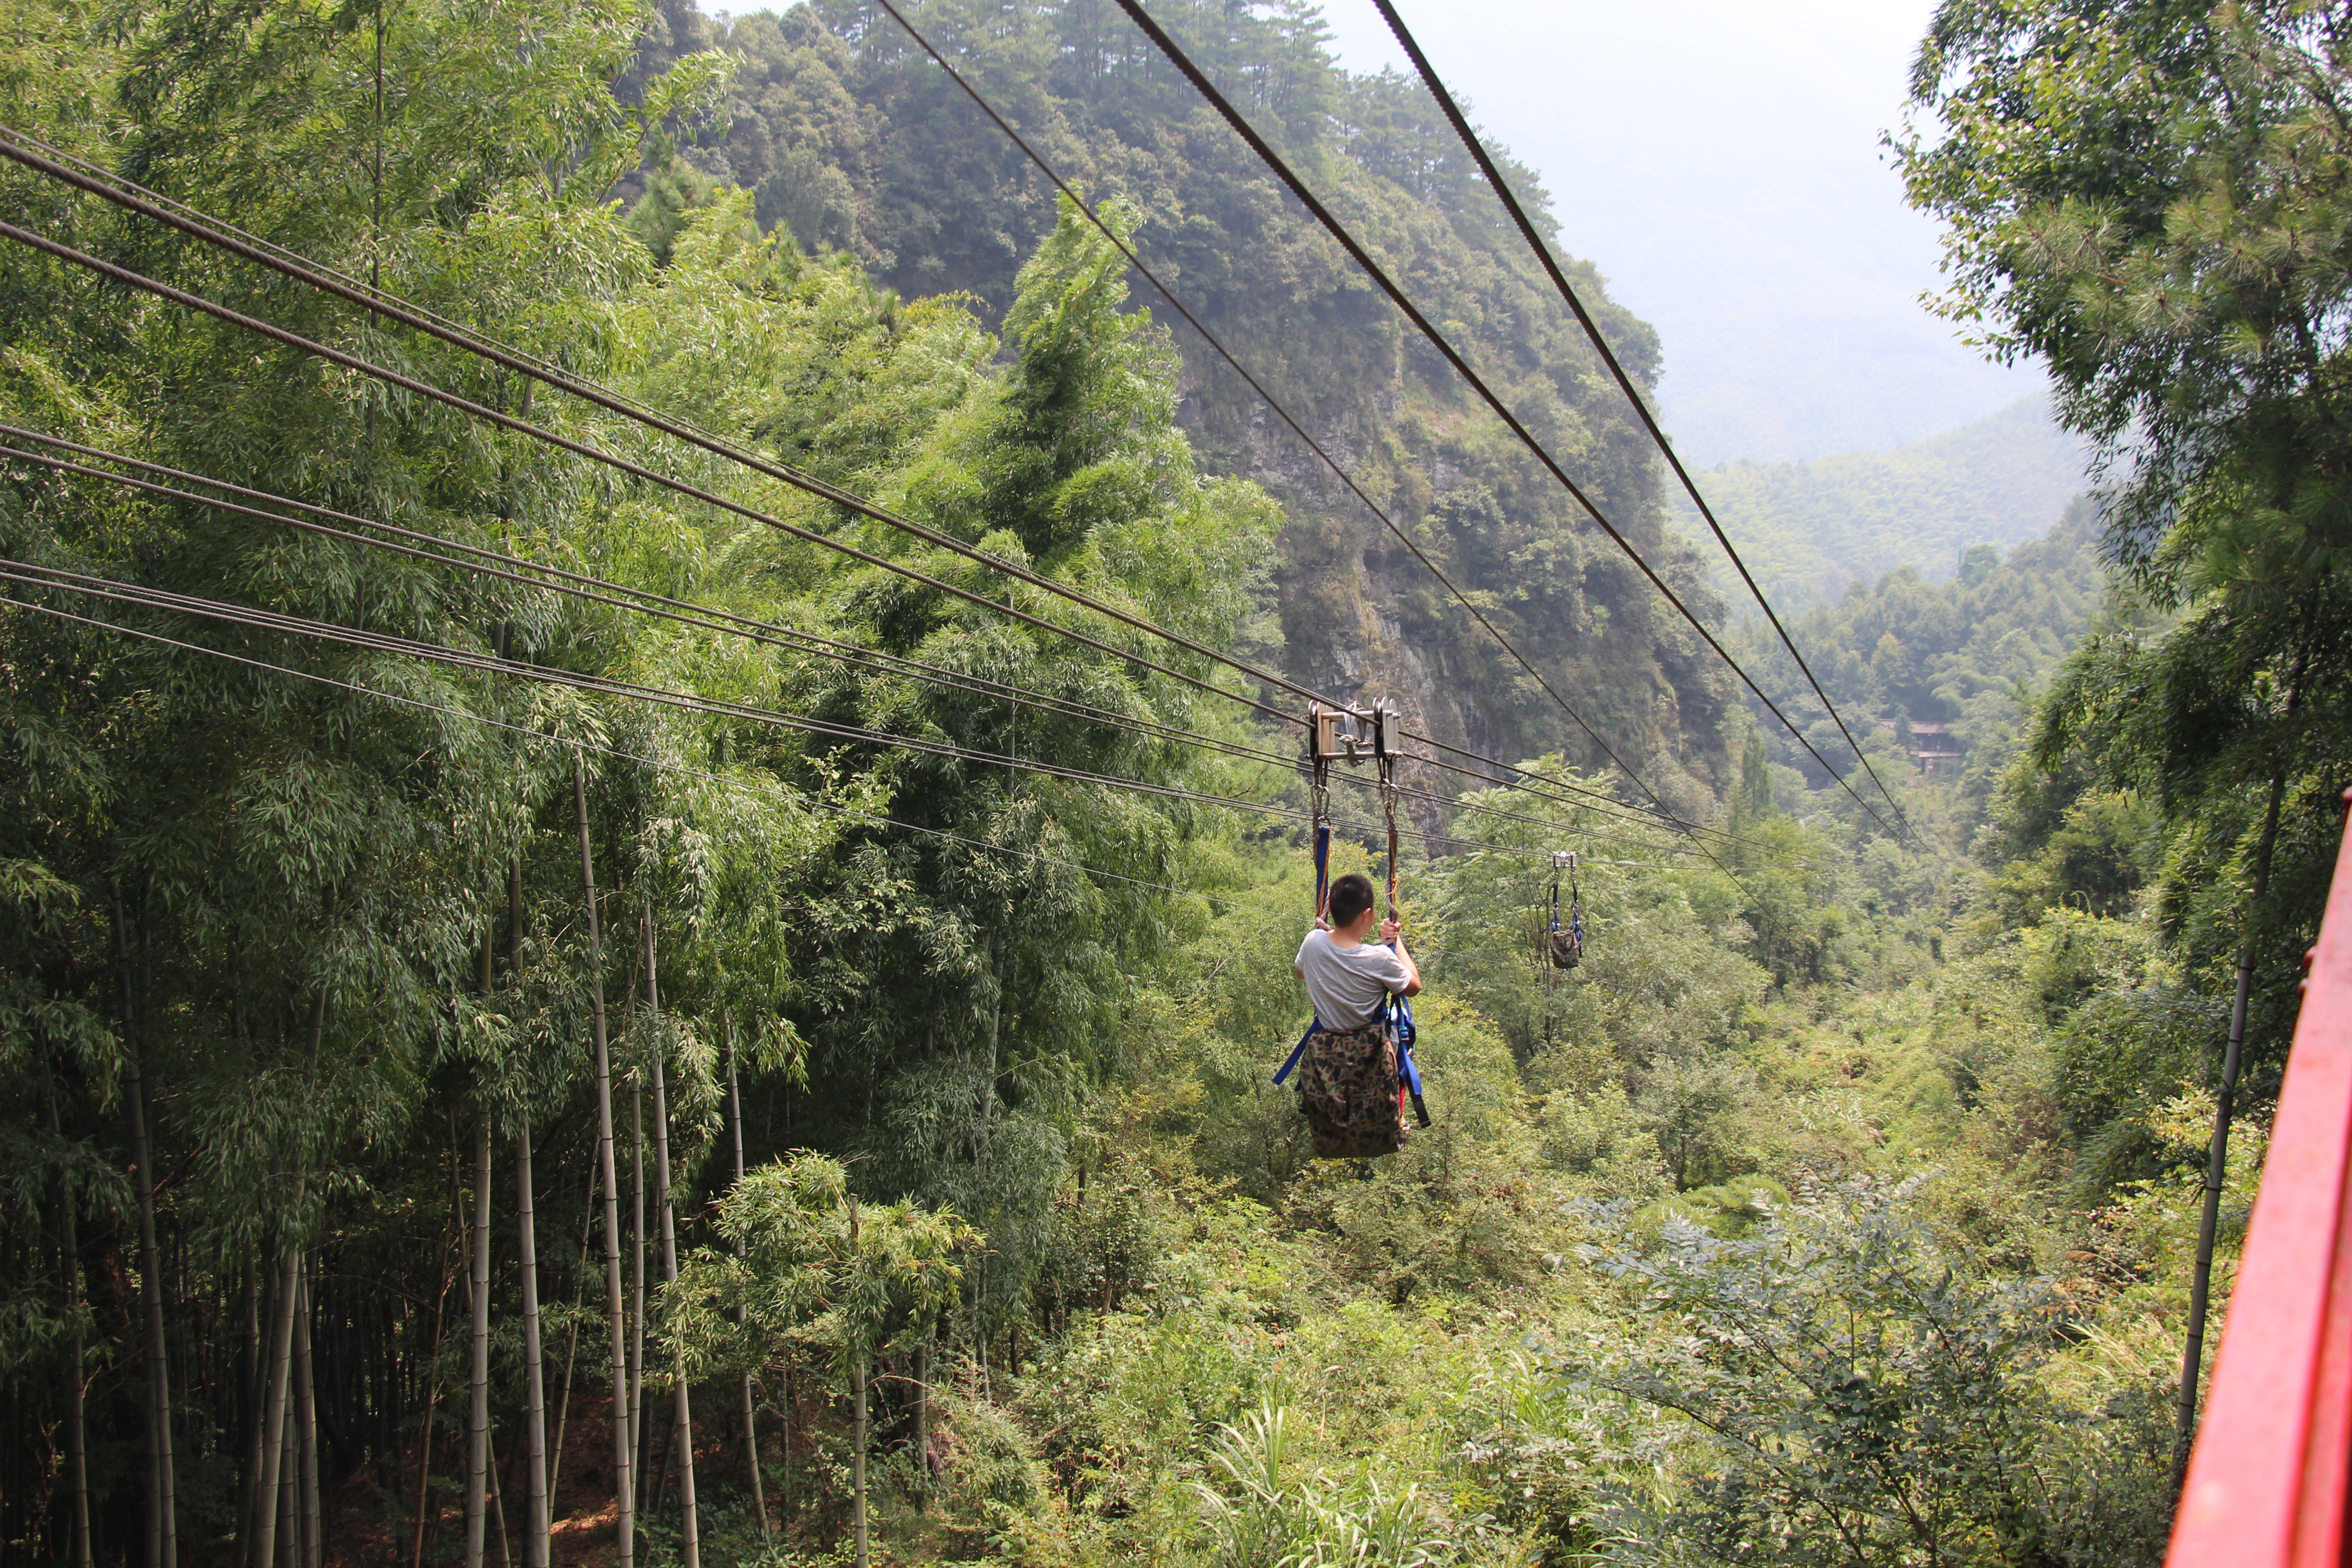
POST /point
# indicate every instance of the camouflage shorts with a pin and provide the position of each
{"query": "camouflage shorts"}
(1348, 1092)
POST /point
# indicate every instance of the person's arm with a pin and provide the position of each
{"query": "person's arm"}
(1394, 934)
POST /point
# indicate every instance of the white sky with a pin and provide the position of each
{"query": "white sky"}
(1719, 161)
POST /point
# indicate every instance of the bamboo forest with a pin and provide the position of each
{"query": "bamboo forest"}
(675, 688)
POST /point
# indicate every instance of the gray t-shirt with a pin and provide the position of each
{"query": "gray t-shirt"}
(1348, 984)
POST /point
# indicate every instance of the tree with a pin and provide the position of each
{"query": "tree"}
(1861, 1396)
(814, 1269)
(853, 140)
(2151, 197)
(2145, 196)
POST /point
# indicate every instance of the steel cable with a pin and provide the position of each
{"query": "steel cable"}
(661, 764)
(32, 575)
(1503, 191)
(49, 162)
(613, 403)
(636, 470)
(600, 591)
(1348, 242)
(1086, 210)
(658, 763)
(378, 303)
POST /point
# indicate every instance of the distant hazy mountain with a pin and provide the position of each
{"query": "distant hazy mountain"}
(1807, 530)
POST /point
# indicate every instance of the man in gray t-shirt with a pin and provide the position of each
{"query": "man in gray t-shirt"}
(1347, 976)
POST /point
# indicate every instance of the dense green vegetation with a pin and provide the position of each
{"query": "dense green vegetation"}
(852, 139)
(1809, 530)
(1837, 1207)
(2149, 255)
(1965, 654)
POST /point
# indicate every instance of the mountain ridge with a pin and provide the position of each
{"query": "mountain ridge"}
(856, 143)
(1812, 529)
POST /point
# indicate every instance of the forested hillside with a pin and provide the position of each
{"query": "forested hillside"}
(1966, 653)
(652, 831)
(1808, 530)
(852, 139)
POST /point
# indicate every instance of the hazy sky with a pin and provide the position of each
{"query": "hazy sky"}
(1719, 160)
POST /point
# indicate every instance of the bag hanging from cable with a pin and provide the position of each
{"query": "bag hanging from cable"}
(1566, 944)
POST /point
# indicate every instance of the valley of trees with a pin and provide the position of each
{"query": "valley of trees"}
(1809, 530)
(569, 998)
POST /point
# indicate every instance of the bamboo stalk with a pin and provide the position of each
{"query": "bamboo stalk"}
(625, 1529)
(77, 1444)
(750, 1407)
(267, 1500)
(923, 1419)
(857, 1462)
(256, 1391)
(163, 1509)
(692, 1533)
(639, 1437)
(570, 1344)
(514, 921)
(432, 1396)
(499, 1507)
(857, 1465)
(305, 1425)
(163, 1529)
(477, 1383)
(536, 1542)
(288, 1509)
(658, 1467)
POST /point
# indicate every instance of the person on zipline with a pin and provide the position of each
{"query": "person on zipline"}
(1349, 1088)
(1347, 976)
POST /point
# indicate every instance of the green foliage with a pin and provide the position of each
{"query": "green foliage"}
(1731, 1210)
(1813, 530)
(814, 1268)
(293, 900)
(1002, 1038)
(2095, 860)
(1959, 654)
(854, 142)
(1861, 1399)
(997, 1491)
(1090, 406)
(1262, 1514)
(2147, 240)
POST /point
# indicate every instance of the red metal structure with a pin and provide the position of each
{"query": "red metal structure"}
(2267, 1479)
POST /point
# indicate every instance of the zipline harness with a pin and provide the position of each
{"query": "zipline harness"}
(1399, 1005)
(1331, 734)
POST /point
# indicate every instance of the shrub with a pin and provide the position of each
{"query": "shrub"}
(1857, 1393)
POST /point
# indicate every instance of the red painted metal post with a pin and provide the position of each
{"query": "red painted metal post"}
(2267, 1480)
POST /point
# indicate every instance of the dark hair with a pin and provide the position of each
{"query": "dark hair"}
(1351, 895)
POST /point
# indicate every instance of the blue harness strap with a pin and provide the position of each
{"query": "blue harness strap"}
(1322, 868)
(1406, 1033)
(1398, 1013)
(1297, 1051)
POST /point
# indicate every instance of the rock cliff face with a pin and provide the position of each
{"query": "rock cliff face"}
(860, 143)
